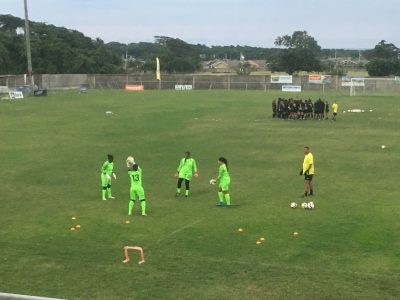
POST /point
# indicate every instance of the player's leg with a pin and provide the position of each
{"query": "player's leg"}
(179, 185)
(225, 190)
(306, 187)
(220, 197)
(132, 194)
(103, 186)
(187, 186)
(310, 185)
(142, 199)
(109, 192)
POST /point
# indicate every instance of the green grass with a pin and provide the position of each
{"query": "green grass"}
(52, 149)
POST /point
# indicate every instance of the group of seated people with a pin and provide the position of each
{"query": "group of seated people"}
(293, 109)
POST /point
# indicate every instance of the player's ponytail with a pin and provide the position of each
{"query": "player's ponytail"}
(224, 160)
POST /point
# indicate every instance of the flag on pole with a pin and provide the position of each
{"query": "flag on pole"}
(158, 74)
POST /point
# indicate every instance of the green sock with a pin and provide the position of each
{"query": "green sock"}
(143, 204)
(187, 193)
(178, 191)
(109, 192)
(228, 199)
(103, 193)
(221, 196)
(131, 204)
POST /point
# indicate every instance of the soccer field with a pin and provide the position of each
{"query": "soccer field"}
(52, 150)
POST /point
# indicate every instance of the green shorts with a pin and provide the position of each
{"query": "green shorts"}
(186, 176)
(104, 180)
(224, 185)
(137, 191)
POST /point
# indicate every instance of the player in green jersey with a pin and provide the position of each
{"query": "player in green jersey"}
(106, 173)
(224, 180)
(135, 174)
(185, 171)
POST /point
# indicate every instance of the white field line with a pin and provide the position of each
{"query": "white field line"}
(174, 232)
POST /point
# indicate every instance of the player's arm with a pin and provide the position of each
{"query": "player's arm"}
(104, 167)
(308, 169)
(179, 168)
(196, 174)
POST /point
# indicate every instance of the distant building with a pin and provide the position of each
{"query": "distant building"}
(230, 65)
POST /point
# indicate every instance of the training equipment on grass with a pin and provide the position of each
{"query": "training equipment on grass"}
(213, 181)
(293, 205)
(262, 239)
(127, 222)
(304, 205)
(258, 242)
(130, 161)
(78, 226)
(310, 205)
(72, 229)
(141, 253)
(295, 233)
(383, 146)
(73, 218)
(240, 230)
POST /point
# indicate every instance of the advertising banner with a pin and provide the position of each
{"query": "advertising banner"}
(16, 95)
(182, 87)
(291, 88)
(281, 79)
(134, 87)
(318, 79)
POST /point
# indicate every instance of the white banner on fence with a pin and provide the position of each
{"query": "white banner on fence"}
(281, 79)
(16, 95)
(291, 88)
(355, 81)
(397, 78)
(183, 87)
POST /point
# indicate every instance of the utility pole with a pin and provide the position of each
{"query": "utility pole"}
(28, 43)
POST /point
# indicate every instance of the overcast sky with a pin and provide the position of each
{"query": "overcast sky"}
(335, 24)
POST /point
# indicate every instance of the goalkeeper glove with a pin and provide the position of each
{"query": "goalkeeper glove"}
(301, 172)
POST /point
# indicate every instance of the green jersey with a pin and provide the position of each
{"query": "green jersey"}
(223, 174)
(136, 177)
(107, 168)
(186, 167)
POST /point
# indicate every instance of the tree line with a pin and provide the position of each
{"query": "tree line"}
(61, 50)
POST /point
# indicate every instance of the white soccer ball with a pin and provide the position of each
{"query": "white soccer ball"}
(293, 205)
(304, 205)
(310, 205)
(130, 161)
(383, 146)
(213, 181)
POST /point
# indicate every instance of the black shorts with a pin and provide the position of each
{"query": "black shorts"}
(334, 114)
(308, 177)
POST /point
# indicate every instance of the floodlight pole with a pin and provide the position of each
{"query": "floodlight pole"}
(28, 43)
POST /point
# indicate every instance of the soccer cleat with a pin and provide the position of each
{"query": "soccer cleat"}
(144, 215)
(220, 204)
(111, 197)
(227, 206)
(177, 194)
(104, 199)
(186, 196)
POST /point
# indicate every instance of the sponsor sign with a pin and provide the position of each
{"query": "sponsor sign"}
(183, 87)
(281, 79)
(353, 81)
(291, 88)
(134, 87)
(318, 79)
(16, 95)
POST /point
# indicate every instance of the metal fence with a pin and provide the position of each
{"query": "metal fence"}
(200, 82)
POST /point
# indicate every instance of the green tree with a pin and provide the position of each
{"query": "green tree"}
(301, 53)
(384, 60)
